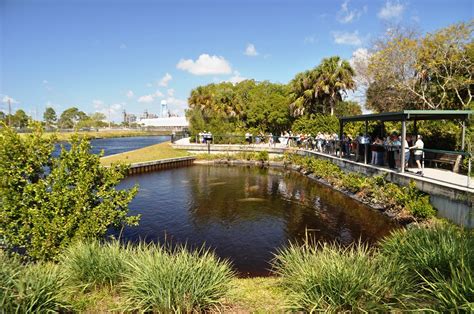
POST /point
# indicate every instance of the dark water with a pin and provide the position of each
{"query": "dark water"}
(245, 213)
(118, 145)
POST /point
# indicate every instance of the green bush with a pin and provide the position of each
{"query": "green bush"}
(36, 287)
(455, 294)
(262, 156)
(162, 280)
(375, 189)
(336, 279)
(91, 263)
(424, 250)
(9, 271)
(48, 202)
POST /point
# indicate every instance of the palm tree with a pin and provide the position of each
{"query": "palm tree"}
(335, 76)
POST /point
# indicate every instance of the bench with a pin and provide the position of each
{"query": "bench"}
(454, 160)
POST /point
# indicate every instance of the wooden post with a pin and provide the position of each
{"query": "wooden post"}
(341, 131)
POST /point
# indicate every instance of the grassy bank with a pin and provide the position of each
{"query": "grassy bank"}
(153, 152)
(426, 268)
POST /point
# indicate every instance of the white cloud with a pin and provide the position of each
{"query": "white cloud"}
(251, 51)
(123, 46)
(158, 94)
(309, 40)
(345, 38)
(391, 11)
(146, 99)
(165, 80)
(170, 92)
(205, 65)
(7, 98)
(237, 78)
(97, 103)
(346, 15)
(130, 94)
(176, 102)
(46, 85)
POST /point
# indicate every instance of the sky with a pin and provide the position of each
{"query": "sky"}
(109, 56)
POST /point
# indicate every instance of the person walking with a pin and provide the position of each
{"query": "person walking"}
(419, 145)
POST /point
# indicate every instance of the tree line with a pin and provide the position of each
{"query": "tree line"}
(69, 119)
(403, 70)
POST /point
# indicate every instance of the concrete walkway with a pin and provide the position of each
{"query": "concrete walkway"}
(441, 176)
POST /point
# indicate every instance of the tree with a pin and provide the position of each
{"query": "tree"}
(70, 117)
(336, 77)
(49, 117)
(46, 203)
(322, 87)
(348, 108)
(435, 71)
(20, 119)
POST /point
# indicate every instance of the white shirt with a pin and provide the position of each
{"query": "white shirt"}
(419, 144)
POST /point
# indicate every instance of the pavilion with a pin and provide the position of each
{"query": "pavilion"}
(414, 115)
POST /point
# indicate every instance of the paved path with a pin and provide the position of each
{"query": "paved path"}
(435, 174)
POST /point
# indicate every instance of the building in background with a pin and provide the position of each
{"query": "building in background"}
(166, 122)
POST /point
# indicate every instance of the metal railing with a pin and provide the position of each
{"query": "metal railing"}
(382, 155)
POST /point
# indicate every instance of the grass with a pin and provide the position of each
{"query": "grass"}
(328, 277)
(427, 268)
(35, 287)
(92, 264)
(163, 280)
(149, 153)
(257, 295)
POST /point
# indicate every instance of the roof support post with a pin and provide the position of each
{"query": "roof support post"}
(365, 145)
(415, 129)
(404, 135)
(341, 132)
(463, 136)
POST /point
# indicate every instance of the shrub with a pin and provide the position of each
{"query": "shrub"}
(375, 188)
(46, 203)
(262, 156)
(455, 294)
(93, 264)
(30, 288)
(331, 278)
(424, 250)
(9, 271)
(162, 280)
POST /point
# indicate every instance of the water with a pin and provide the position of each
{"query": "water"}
(245, 213)
(118, 145)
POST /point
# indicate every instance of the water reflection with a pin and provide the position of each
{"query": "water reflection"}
(246, 213)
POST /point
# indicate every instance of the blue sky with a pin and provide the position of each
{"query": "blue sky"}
(112, 55)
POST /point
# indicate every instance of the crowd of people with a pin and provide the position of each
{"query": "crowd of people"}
(375, 150)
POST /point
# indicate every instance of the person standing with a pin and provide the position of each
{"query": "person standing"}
(419, 145)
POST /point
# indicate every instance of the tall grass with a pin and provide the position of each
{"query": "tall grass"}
(422, 250)
(440, 259)
(30, 288)
(178, 280)
(332, 278)
(9, 271)
(91, 264)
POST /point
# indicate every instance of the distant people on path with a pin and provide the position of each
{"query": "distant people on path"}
(248, 137)
(419, 145)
